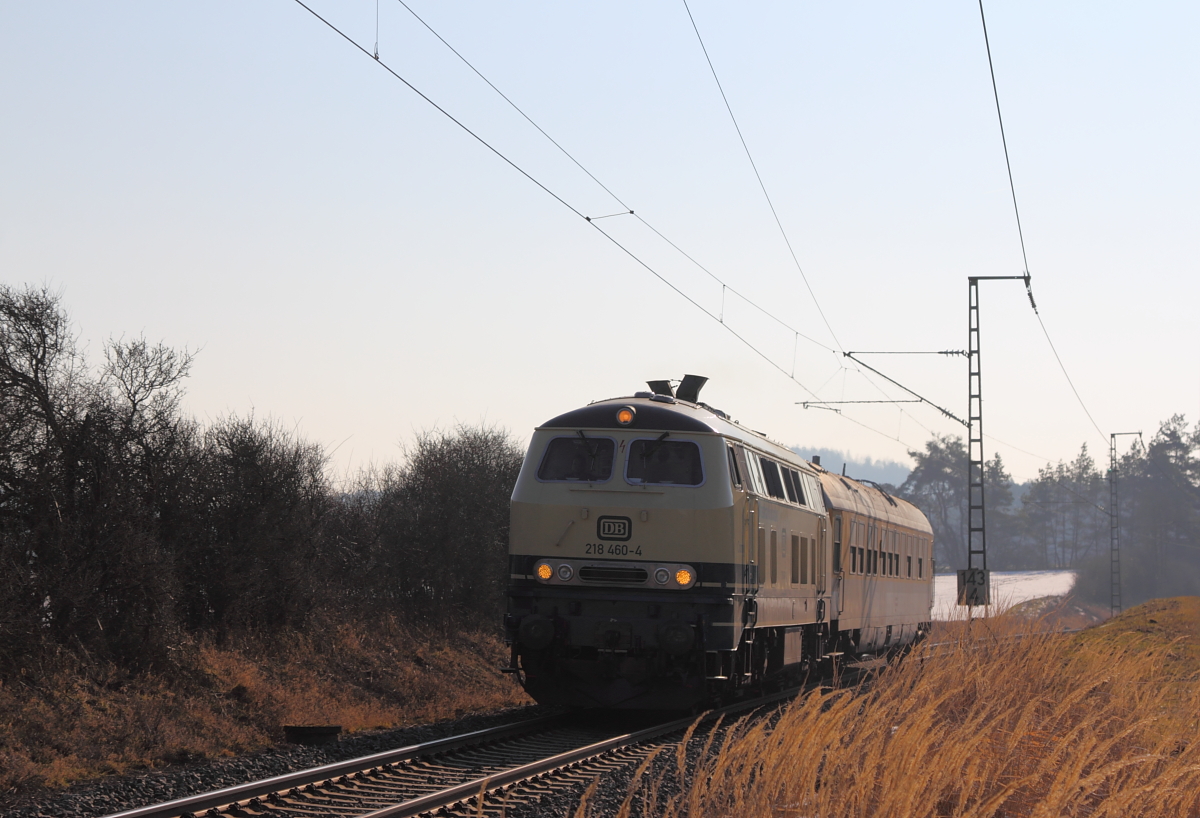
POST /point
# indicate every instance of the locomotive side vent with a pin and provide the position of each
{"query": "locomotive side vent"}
(613, 573)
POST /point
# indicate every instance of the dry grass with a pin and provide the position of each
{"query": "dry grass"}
(74, 720)
(1102, 723)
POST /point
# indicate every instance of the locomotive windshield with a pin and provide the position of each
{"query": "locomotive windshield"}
(665, 461)
(586, 459)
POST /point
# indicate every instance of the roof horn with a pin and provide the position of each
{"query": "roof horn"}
(661, 388)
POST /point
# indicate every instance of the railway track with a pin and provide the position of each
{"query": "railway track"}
(489, 770)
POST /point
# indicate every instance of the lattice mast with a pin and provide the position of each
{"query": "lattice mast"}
(1114, 525)
(973, 583)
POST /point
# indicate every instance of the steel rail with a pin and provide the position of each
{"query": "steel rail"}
(317, 775)
(239, 798)
(487, 784)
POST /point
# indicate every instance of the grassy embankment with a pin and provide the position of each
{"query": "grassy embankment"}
(1099, 723)
(71, 720)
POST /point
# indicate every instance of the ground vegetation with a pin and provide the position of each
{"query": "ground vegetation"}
(141, 552)
(1004, 718)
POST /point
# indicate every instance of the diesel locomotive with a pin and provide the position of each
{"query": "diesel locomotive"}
(663, 555)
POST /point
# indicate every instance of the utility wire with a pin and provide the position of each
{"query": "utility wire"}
(996, 93)
(1021, 233)
(758, 176)
(724, 286)
(609, 190)
(442, 110)
(775, 214)
(597, 227)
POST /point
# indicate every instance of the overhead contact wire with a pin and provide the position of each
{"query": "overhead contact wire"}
(1021, 233)
(724, 286)
(567, 205)
(441, 110)
(758, 176)
(778, 222)
(606, 188)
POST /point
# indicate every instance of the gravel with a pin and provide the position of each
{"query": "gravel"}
(106, 796)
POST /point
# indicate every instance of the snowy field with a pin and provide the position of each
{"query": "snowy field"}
(1008, 588)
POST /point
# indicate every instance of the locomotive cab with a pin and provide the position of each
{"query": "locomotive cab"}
(619, 571)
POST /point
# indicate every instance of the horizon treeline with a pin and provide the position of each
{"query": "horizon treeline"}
(1061, 519)
(126, 526)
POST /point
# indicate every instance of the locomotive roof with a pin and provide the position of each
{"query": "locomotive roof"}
(671, 415)
(654, 414)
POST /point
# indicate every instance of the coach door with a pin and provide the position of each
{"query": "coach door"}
(839, 571)
(822, 556)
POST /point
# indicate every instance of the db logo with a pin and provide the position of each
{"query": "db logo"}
(614, 528)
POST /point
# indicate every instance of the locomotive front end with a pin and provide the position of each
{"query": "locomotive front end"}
(622, 572)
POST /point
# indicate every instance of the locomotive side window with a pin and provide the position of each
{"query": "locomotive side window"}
(795, 559)
(754, 473)
(812, 491)
(734, 474)
(579, 458)
(774, 558)
(788, 484)
(797, 485)
(804, 560)
(910, 567)
(672, 462)
(774, 484)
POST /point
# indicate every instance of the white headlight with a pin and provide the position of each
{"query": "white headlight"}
(661, 576)
(565, 572)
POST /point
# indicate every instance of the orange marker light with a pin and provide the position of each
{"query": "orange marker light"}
(683, 576)
(544, 571)
(625, 415)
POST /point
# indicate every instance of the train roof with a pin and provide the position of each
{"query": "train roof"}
(845, 494)
(662, 413)
(666, 414)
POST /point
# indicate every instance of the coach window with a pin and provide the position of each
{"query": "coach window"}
(661, 461)
(734, 474)
(578, 459)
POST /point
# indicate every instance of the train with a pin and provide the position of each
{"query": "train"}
(664, 556)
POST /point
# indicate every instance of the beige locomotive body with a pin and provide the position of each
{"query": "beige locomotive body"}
(662, 555)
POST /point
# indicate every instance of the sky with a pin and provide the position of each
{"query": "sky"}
(238, 179)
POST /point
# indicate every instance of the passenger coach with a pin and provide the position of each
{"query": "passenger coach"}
(664, 556)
